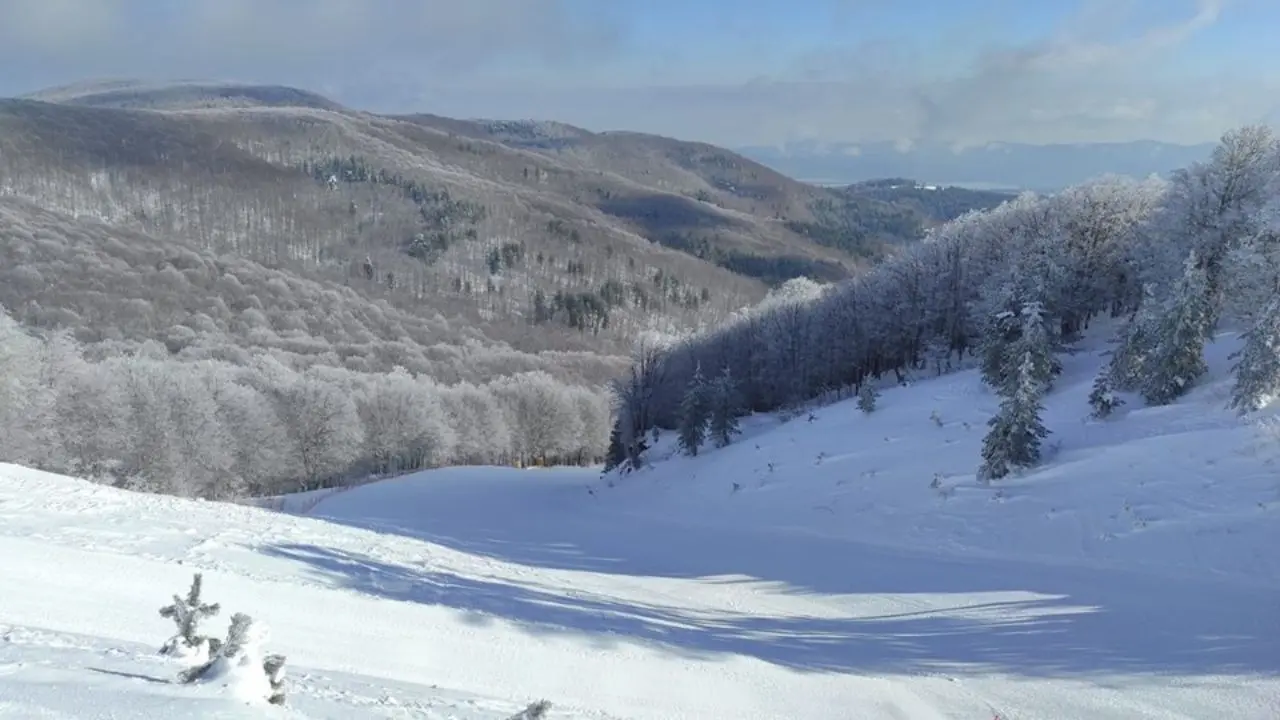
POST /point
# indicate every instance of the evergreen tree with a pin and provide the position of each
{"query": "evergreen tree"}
(1137, 341)
(616, 454)
(867, 397)
(1036, 338)
(240, 661)
(534, 711)
(725, 405)
(1187, 322)
(187, 613)
(273, 666)
(997, 336)
(694, 413)
(1016, 430)
(1258, 369)
(1102, 399)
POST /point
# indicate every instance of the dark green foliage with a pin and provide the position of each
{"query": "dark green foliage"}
(725, 406)
(695, 411)
(1016, 430)
(1177, 360)
(616, 454)
(445, 221)
(508, 255)
(534, 711)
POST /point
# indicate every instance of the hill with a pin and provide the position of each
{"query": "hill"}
(1041, 168)
(807, 570)
(533, 235)
(507, 224)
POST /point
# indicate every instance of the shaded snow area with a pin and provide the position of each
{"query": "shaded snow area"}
(844, 567)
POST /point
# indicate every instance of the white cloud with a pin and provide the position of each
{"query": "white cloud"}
(523, 58)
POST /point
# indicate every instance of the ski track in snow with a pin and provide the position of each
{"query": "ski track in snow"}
(807, 571)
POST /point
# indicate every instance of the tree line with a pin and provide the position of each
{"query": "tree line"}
(1006, 289)
(211, 429)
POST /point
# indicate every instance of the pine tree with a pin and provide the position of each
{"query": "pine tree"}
(998, 334)
(1126, 369)
(1178, 358)
(273, 666)
(534, 711)
(694, 413)
(1102, 399)
(1036, 339)
(1016, 430)
(867, 397)
(240, 661)
(725, 405)
(187, 613)
(1258, 369)
(616, 455)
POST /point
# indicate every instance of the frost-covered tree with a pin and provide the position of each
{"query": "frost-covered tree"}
(695, 411)
(405, 427)
(1038, 341)
(241, 666)
(1177, 359)
(1137, 340)
(1010, 338)
(325, 432)
(187, 613)
(1102, 397)
(998, 337)
(867, 397)
(534, 711)
(1257, 370)
(725, 404)
(22, 396)
(1016, 430)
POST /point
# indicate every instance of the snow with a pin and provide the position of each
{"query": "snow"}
(845, 566)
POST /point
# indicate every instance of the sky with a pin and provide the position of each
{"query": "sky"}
(732, 72)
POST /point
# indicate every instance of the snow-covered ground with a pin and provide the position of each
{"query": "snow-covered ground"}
(808, 572)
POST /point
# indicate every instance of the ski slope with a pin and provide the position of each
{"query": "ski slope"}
(813, 570)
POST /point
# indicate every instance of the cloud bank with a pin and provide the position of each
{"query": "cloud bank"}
(1113, 70)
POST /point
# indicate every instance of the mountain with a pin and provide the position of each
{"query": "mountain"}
(1015, 166)
(234, 213)
(808, 570)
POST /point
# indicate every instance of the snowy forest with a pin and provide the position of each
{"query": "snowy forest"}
(207, 428)
(1004, 289)
(1173, 261)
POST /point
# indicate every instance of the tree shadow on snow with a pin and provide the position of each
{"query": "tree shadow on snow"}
(1117, 624)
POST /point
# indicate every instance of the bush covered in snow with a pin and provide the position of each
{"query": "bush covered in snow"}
(187, 613)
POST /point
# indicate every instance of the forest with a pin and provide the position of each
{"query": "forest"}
(213, 429)
(198, 363)
(1007, 289)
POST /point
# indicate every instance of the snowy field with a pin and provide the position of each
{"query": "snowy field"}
(844, 567)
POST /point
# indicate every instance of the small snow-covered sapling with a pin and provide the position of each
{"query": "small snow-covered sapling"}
(240, 662)
(187, 614)
(534, 711)
(273, 665)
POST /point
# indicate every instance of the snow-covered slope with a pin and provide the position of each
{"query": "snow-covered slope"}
(809, 571)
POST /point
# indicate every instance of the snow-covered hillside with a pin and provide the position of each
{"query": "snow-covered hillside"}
(813, 570)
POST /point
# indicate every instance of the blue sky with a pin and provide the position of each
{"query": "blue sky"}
(729, 71)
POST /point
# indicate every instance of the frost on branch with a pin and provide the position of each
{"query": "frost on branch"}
(1102, 398)
(187, 614)
(240, 666)
(535, 711)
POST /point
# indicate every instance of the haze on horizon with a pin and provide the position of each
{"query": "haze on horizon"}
(727, 72)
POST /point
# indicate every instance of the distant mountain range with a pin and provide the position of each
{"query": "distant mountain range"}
(1010, 166)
